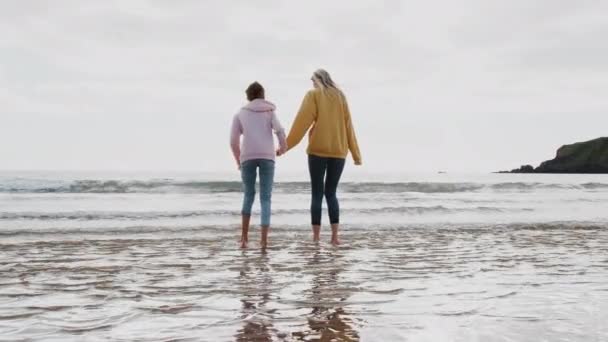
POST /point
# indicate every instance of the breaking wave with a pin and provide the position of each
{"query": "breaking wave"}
(185, 187)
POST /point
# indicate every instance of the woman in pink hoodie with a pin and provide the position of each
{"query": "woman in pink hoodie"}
(256, 122)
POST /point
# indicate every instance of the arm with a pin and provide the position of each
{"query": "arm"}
(235, 139)
(353, 146)
(279, 131)
(306, 116)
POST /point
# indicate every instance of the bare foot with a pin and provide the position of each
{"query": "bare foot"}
(264, 239)
(244, 230)
(316, 232)
(334, 234)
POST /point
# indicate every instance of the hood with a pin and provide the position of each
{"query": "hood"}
(259, 105)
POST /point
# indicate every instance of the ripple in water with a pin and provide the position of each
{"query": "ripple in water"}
(486, 283)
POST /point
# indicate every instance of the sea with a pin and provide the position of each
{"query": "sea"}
(154, 256)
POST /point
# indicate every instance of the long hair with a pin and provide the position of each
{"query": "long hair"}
(324, 81)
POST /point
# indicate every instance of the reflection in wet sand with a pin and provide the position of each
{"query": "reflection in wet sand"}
(328, 320)
(255, 286)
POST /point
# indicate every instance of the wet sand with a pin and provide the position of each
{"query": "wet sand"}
(476, 283)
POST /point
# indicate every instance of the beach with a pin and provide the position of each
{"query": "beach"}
(461, 146)
(506, 258)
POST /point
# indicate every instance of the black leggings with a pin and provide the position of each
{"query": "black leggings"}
(322, 185)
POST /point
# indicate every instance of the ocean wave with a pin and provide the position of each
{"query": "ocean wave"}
(593, 186)
(522, 186)
(185, 187)
(228, 229)
(424, 187)
(119, 186)
(152, 215)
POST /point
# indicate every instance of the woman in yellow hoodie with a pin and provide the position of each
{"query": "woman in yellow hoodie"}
(332, 135)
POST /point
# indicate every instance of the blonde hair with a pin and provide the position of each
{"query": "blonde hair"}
(324, 81)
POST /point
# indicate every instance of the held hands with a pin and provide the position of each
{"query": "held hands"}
(281, 152)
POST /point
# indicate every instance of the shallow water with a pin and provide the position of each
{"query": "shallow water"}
(43, 202)
(509, 283)
(434, 258)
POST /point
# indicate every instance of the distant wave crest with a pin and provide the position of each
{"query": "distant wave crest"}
(184, 187)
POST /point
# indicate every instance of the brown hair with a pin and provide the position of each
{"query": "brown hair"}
(254, 91)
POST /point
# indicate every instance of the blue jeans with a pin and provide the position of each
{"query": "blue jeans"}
(248, 175)
(324, 178)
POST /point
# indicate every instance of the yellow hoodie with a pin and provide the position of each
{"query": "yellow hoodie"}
(332, 134)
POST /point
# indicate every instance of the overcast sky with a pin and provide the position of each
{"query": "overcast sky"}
(473, 85)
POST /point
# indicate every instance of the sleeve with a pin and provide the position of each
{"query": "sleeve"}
(235, 138)
(305, 118)
(279, 131)
(353, 146)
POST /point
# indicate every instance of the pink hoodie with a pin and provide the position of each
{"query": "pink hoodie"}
(255, 122)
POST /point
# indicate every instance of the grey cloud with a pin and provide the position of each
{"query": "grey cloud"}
(421, 76)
